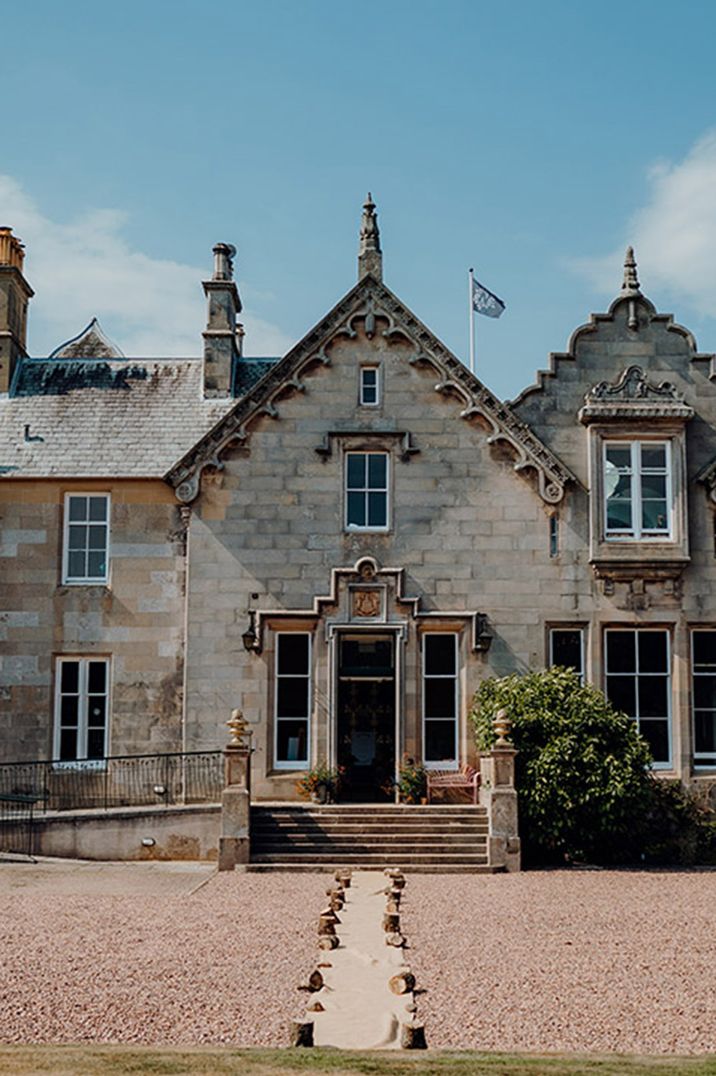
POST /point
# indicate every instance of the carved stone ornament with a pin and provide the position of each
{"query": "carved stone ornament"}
(238, 726)
(633, 395)
(367, 603)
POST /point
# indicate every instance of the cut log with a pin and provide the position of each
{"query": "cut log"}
(337, 904)
(335, 891)
(398, 881)
(302, 1033)
(392, 906)
(326, 926)
(397, 940)
(393, 894)
(412, 1036)
(391, 922)
(343, 877)
(328, 913)
(402, 983)
(315, 981)
(315, 1006)
(327, 942)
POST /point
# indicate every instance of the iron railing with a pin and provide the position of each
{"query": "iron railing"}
(117, 781)
(16, 832)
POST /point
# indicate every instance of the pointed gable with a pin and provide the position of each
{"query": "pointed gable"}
(91, 343)
(371, 304)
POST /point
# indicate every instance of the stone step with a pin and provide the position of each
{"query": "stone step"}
(342, 858)
(372, 810)
(423, 841)
(328, 867)
(266, 829)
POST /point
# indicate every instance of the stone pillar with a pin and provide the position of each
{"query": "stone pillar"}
(234, 841)
(499, 796)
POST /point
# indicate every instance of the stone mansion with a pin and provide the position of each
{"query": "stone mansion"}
(344, 540)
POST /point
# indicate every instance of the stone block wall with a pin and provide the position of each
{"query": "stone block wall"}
(137, 620)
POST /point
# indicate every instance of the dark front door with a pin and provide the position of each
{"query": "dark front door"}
(366, 717)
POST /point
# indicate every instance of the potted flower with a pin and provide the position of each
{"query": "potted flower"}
(412, 781)
(319, 784)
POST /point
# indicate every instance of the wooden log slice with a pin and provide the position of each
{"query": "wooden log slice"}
(412, 1036)
(327, 942)
(302, 1033)
(402, 983)
(397, 940)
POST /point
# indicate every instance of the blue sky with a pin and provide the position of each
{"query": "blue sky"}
(531, 140)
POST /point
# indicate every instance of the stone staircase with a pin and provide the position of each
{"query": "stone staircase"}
(428, 839)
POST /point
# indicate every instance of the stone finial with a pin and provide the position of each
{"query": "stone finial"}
(370, 258)
(502, 726)
(630, 284)
(238, 726)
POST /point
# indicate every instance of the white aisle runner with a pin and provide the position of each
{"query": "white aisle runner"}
(361, 1012)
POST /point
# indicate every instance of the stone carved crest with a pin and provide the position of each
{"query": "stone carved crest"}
(633, 384)
(367, 603)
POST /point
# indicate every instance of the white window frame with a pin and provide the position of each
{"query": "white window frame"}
(72, 581)
(354, 527)
(455, 677)
(81, 761)
(363, 386)
(565, 628)
(636, 533)
(298, 764)
(710, 756)
(668, 765)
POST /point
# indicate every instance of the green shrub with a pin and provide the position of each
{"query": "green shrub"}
(583, 771)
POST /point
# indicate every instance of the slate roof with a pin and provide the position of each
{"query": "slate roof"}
(247, 372)
(95, 418)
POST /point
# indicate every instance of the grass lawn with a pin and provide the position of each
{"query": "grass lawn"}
(207, 1061)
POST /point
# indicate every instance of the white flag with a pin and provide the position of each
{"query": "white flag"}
(484, 302)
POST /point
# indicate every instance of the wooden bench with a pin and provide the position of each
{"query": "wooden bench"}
(465, 777)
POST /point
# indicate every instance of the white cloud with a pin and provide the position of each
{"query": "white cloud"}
(673, 234)
(148, 306)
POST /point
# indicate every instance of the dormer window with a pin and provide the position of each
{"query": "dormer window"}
(637, 490)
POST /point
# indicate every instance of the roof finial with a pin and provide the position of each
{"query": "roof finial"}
(630, 286)
(370, 259)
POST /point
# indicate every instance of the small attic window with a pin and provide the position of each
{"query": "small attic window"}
(369, 386)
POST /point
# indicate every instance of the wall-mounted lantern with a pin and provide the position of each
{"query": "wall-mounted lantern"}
(483, 635)
(250, 637)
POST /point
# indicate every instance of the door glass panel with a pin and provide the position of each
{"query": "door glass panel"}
(292, 741)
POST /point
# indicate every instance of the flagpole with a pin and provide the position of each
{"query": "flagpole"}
(471, 316)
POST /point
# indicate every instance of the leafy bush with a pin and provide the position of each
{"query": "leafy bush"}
(583, 771)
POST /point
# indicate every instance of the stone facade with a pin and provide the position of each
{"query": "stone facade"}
(243, 573)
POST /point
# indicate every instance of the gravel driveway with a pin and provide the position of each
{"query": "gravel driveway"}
(592, 961)
(156, 964)
(578, 961)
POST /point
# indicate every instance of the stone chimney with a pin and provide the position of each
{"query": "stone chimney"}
(221, 341)
(370, 257)
(15, 293)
